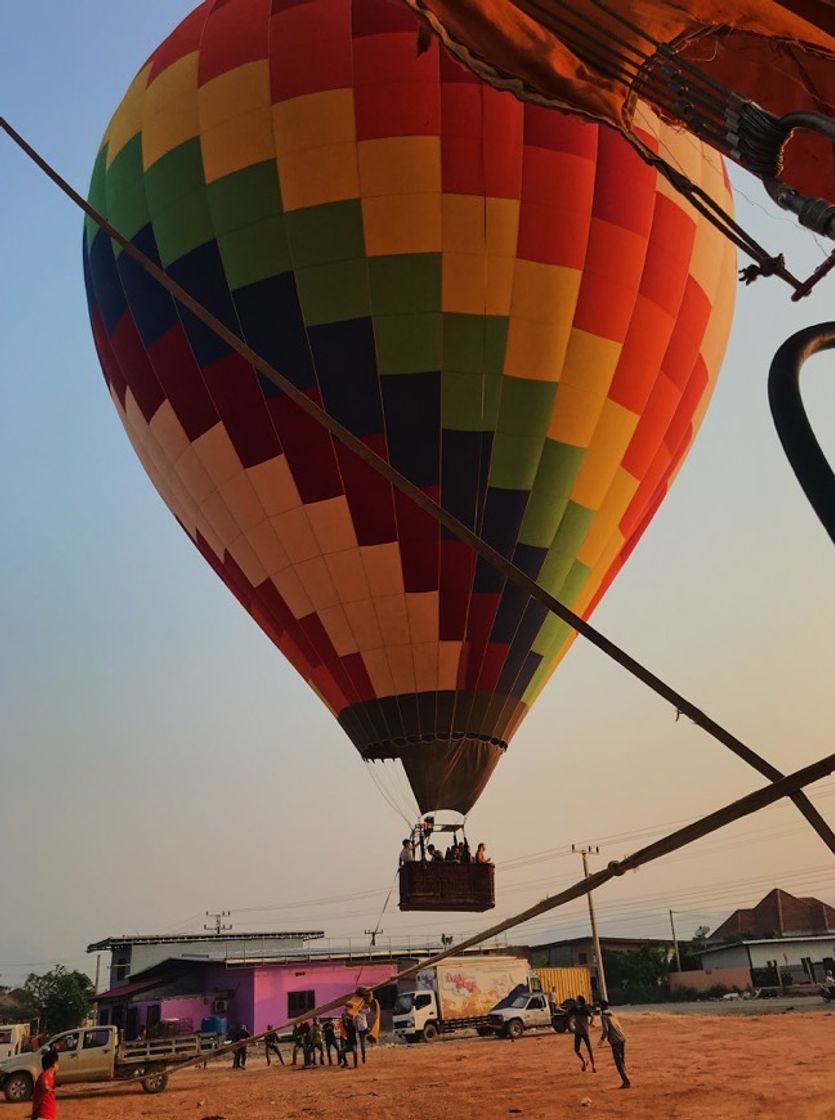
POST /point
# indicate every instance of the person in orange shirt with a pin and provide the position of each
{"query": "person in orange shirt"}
(43, 1099)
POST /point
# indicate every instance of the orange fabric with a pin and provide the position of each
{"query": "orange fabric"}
(780, 55)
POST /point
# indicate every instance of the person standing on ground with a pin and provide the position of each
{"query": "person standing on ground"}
(316, 1042)
(348, 1035)
(613, 1034)
(239, 1061)
(361, 1024)
(43, 1099)
(271, 1045)
(298, 1040)
(329, 1033)
(581, 1017)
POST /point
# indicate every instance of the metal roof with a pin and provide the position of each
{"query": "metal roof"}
(180, 938)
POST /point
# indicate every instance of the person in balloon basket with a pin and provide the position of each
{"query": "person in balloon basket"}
(43, 1099)
(407, 853)
(348, 1040)
(613, 1034)
(581, 1018)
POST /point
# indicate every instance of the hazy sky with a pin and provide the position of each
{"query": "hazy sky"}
(159, 759)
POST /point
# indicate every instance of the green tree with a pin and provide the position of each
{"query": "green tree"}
(60, 999)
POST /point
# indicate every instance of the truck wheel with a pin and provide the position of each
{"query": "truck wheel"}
(430, 1033)
(514, 1029)
(559, 1025)
(155, 1082)
(18, 1088)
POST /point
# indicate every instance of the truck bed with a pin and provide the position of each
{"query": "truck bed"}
(177, 1049)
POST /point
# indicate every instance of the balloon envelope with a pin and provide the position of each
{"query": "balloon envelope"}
(502, 301)
(586, 57)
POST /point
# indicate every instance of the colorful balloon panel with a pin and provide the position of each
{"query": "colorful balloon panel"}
(500, 300)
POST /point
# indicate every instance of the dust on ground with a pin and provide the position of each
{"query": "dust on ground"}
(773, 1067)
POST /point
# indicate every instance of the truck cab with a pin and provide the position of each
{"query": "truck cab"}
(413, 1014)
(85, 1054)
(525, 1010)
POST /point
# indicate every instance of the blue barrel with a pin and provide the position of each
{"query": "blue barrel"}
(214, 1024)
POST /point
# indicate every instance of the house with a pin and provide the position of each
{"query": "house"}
(779, 914)
(774, 961)
(241, 980)
(574, 951)
(180, 994)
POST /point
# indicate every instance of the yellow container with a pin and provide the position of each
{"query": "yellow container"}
(565, 983)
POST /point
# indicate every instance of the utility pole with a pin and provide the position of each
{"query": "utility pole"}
(98, 971)
(675, 942)
(217, 927)
(374, 934)
(585, 851)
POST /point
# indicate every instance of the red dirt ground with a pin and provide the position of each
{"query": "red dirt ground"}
(683, 1067)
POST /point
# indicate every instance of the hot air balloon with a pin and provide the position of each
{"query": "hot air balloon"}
(711, 66)
(504, 302)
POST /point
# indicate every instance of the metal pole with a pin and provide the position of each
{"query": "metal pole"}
(98, 969)
(598, 954)
(675, 942)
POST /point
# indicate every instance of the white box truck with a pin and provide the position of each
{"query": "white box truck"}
(458, 994)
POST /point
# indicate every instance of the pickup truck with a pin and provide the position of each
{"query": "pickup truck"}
(98, 1054)
(527, 1010)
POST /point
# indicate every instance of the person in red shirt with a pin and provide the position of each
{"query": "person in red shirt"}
(43, 1100)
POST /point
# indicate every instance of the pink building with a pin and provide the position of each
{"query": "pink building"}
(255, 994)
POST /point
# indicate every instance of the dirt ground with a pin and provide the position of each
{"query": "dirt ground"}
(776, 1067)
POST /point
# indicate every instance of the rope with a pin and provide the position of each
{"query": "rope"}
(376, 929)
(736, 810)
(424, 502)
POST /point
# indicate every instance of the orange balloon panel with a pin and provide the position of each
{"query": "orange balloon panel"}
(588, 57)
(503, 301)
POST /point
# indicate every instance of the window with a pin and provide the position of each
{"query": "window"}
(121, 972)
(537, 1004)
(422, 999)
(583, 958)
(92, 1039)
(298, 1003)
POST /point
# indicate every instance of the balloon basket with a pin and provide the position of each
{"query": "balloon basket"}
(447, 886)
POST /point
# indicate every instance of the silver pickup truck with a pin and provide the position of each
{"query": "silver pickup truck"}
(98, 1054)
(530, 1010)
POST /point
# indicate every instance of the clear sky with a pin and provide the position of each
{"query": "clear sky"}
(159, 759)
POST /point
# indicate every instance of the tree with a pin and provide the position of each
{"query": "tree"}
(644, 967)
(60, 999)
